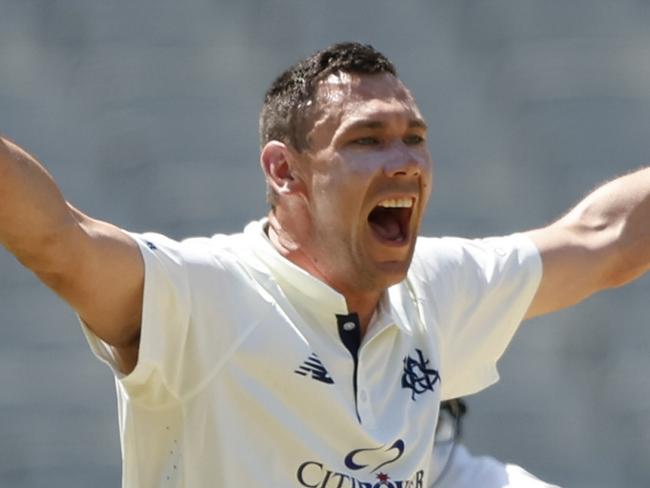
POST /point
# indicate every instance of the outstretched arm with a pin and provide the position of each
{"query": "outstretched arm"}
(604, 242)
(92, 265)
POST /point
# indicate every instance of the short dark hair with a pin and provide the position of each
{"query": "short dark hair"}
(285, 103)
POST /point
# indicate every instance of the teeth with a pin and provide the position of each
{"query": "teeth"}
(397, 203)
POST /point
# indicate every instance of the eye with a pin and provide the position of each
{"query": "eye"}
(413, 140)
(366, 141)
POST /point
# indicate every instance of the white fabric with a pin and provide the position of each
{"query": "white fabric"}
(465, 470)
(218, 397)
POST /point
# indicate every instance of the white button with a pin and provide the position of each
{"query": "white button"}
(363, 396)
(348, 326)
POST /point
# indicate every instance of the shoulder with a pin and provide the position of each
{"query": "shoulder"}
(197, 266)
(434, 256)
(454, 259)
(450, 251)
(192, 250)
(219, 273)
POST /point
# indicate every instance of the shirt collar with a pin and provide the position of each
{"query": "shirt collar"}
(315, 299)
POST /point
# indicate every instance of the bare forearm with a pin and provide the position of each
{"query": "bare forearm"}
(33, 213)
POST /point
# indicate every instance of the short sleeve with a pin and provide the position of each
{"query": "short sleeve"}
(475, 293)
(194, 294)
(165, 319)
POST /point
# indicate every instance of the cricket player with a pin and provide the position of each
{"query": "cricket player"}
(314, 348)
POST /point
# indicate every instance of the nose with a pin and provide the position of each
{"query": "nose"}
(406, 162)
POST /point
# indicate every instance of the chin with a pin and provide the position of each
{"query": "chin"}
(391, 272)
(395, 270)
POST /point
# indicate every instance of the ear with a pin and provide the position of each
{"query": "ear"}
(278, 164)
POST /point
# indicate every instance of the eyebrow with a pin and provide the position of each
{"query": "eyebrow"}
(378, 124)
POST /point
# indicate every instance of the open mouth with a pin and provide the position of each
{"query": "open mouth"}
(390, 220)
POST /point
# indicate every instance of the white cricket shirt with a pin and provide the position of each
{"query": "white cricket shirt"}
(251, 371)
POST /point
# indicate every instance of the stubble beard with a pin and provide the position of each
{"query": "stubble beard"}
(362, 275)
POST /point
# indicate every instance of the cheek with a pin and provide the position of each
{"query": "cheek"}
(328, 203)
(342, 191)
(426, 164)
(364, 165)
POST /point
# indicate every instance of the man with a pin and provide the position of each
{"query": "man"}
(314, 348)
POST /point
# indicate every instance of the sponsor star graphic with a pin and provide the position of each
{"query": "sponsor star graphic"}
(383, 477)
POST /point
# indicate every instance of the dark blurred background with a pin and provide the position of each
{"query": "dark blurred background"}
(146, 114)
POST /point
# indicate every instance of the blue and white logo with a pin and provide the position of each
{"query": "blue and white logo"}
(418, 376)
(368, 468)
(314, 366)
(370, 456)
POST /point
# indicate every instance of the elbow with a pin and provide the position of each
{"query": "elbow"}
(630, 261)
(610, 227)
(40, 253)
(619, 277)
(625, 252)
(617, 255)
(49, 256)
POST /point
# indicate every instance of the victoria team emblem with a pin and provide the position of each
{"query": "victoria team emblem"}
(418, 376)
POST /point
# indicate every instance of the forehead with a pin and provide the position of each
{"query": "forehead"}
(342, 97)
(342, 87)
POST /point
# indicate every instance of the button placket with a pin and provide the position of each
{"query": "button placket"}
(350, 334)
(363, 396)
(364, 400)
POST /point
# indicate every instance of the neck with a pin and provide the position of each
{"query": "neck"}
(362, 303)
(364, 307)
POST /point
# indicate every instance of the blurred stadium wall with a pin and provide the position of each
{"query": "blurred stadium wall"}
(146, 114)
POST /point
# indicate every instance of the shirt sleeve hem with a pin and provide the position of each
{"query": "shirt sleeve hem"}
(105, 352)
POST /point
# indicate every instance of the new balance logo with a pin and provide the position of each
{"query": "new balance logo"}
(315, 367)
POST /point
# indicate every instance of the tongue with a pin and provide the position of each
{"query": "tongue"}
(385, 224)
